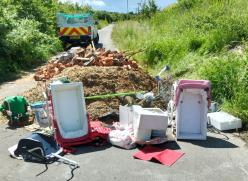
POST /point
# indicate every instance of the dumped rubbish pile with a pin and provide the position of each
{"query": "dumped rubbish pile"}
(137, 100)
(84, 57)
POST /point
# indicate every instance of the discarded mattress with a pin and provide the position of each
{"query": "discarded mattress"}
(69, 114)
(192, 100)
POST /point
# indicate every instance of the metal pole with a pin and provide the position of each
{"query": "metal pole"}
(127, 6)
(139, 6)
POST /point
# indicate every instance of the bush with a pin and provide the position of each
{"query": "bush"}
(102, 23)
(222, 72)
(28, 46)
(187, 4)
(229, 77)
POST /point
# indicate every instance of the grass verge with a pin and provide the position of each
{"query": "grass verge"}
(198, 39)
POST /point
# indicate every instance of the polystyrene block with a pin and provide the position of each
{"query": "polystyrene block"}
(224, 121)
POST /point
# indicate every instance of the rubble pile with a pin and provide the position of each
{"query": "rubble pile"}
(84, 57)
(101, 72)
(99, 80)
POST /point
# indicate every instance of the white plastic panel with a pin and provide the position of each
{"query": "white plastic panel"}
(126, 115)
(70, 110)
(191, 115)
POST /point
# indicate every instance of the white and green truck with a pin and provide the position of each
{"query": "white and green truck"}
(76, 29)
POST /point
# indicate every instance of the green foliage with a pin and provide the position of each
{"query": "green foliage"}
(229, 77)
(102, 23)
(27, 34)
(29, 46)
(112, 16)
(187, 4)
(198, 39)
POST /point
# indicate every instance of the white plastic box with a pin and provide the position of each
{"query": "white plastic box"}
(147, 119)
(224, 121)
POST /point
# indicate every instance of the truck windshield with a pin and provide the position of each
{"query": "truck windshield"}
(76, 20)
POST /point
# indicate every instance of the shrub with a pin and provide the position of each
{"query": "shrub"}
(187, 4)
(229, 77)
(28, 45)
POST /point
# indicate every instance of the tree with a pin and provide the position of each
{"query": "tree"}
(148, 9)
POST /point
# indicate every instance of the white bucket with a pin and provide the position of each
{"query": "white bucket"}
(42, 117)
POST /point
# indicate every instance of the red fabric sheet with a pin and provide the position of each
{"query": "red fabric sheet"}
(166, 157)
(98, 130)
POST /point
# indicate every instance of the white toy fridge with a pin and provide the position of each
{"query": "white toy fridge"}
(192, 100)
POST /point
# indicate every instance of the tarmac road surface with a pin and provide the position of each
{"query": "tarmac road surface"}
(105, 37)
(215, 159)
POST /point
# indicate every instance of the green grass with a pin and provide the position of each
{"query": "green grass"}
(198, 40)
(102, 24)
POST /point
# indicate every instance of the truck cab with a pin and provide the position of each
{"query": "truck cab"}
(76, 29)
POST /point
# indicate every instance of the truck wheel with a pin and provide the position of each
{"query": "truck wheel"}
(66, 46)
(96, 40)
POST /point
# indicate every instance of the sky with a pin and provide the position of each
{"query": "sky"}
(118, 5)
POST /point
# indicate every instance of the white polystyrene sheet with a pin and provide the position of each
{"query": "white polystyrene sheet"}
(70, 110)
(191, 115)
(142, 134)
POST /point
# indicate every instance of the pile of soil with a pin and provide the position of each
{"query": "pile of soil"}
(98, 80)
(104, 80)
